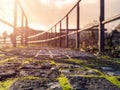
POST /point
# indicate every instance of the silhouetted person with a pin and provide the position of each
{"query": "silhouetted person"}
(4, 36)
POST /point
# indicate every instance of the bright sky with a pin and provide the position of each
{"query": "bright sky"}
(42, 14)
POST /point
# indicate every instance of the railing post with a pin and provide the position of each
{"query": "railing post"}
(60, 34)
(26, 33)
(101, 27)
(78, 27)
(48, 38)
(51, 37)
(22, 19)
(55, 41)
(15, 23)
(66, 41)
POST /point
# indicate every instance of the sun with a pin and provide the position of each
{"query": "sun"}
(44, 1)
(91, 1)
(6, 14)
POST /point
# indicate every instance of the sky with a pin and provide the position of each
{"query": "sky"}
(43, 14)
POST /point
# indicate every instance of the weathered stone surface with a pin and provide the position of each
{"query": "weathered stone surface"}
(56, 53)
(107, 68)
(112, 73)
(40, 84)
(89, 83)
(4, 74)
(42, 68)
(91, 72)
(46, 66)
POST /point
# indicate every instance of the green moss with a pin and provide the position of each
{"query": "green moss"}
(8, 59)
(104, 57)
(113, 80)
(116, 60)
(29, 78)
(77, 61)
(52, 62)
(28, 60)
(4, 85)
(64, 83)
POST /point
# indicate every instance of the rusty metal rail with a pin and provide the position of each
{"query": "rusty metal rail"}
(109, 20)
(48, 38)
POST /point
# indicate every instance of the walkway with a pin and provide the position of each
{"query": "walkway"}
(35, 68)
(51, 53)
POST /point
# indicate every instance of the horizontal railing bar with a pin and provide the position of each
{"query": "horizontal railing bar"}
(67, 14)
(57, 22)
(104, 22)
(74, 32)
(111, 19)
(5, 22)
(36, 35)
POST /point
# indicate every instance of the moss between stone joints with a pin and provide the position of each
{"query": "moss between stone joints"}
(103, 57)
(116, 60)
(64, 83)
(4, 85)
(52, 62)
(113, 80)
(29, 77)
(8, 59)
(89, 76)
(77, 61)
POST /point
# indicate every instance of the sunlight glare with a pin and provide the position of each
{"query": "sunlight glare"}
(44, 1)
(91, 1)
(37, 26)
(61, 3)
(6, 13)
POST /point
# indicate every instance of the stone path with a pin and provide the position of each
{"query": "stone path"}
(54, 53)
(40, 69)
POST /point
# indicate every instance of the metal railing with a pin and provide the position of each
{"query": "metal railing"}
(14, 25)
(49, 38)
(55, 34)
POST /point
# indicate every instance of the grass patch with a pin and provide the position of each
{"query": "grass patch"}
(64, 83)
